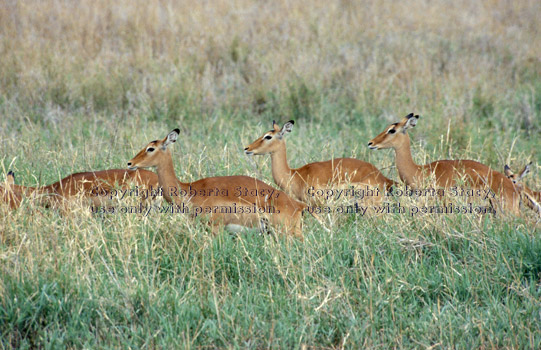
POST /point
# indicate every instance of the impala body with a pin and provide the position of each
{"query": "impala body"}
(219, 198)
(338, 172)
(88, 185)
(530, 197)
(445, 173)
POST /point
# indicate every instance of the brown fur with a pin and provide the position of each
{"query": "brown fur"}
(11, 198)
(80, 184)
(447, 173)
(333, 172)
(288, 213)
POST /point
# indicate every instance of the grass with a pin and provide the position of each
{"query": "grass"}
(86, 85)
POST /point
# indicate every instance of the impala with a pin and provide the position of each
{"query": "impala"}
(230, 201)
(532, 198)
(445, 173)
(303, 182)
(93, 185)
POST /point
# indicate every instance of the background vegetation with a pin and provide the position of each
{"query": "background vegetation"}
(85, 84)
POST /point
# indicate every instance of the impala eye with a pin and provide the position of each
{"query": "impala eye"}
(268, 137)
(150, 149)
(392, 131)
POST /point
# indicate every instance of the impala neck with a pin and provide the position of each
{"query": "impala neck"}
(167, 179)
(281, 172)
(407, 169)
(32, 192)
(28, 190)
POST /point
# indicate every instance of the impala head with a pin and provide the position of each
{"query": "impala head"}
(533, 199)
(150, 155)
(516, 177)
(394, 134)
(270, 140)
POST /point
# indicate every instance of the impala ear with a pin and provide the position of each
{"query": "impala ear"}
(410, 122)
(10, 178)
(286, 129)
(275, 126)
(507, 171)
(170, 138)
(524, 171)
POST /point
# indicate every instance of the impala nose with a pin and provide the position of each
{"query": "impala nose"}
(129, 163)
(371, 145)
(246, 149)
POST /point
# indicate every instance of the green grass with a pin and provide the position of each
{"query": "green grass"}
(86, 86)
(99, 282)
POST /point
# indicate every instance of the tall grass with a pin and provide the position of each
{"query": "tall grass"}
(84, 85)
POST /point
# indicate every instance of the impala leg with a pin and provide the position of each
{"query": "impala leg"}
(264, 227)
(297, 226)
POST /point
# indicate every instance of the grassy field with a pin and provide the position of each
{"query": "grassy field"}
(85, 85)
